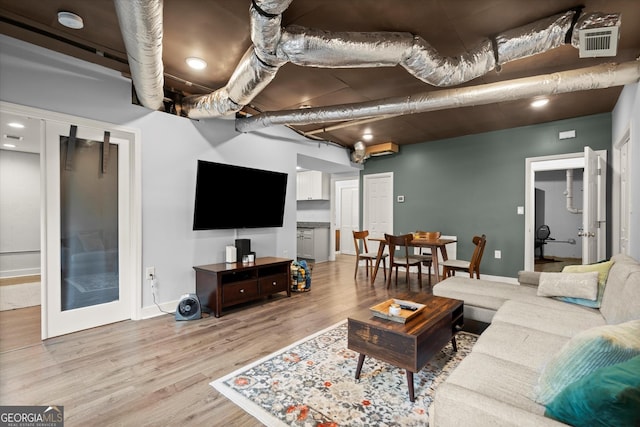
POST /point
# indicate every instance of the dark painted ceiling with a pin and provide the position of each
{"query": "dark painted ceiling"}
(218, 31)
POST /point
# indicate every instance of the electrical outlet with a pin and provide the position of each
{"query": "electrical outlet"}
(150, 273)
(497, 254)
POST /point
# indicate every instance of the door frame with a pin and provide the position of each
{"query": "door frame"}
(135, 206)
(539, 164)
(341, 186)
(621, 195)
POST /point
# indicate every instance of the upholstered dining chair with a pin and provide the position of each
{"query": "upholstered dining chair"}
(426, 255)
(450, 266)
(362, 252)
(399, 256)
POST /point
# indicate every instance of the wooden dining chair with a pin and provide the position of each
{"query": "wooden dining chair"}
(399, 256)
(450, 266)
(362, 252)
(426, 254)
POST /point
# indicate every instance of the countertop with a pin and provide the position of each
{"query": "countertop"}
(313, 225)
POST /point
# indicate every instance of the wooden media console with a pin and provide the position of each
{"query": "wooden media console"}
(222, 285)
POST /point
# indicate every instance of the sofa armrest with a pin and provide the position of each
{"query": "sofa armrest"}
(529, 278)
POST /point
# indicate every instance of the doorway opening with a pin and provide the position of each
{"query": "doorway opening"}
(558, 219)
(591, 234)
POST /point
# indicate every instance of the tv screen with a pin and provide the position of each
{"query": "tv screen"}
(238, 197)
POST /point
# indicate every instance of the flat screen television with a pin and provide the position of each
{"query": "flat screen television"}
(230, 196)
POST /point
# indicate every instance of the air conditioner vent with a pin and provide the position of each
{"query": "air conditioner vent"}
(596, 42)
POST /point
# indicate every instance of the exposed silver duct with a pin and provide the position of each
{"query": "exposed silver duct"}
(596, 77)
(274, 46)
(141, 27)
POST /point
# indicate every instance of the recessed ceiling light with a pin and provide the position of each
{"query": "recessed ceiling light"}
(70, 20)
(16, 125)
(9, 145)
(367, 136)
(196, 63)
(540, 102)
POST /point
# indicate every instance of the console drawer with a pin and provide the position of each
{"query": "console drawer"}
(236, 292)
(273, 283)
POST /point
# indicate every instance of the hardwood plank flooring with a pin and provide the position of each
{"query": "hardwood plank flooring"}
(156, 372)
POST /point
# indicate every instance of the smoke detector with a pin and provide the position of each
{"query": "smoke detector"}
(596, 42)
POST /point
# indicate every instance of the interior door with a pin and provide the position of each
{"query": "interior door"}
(594, 208)
(378, 205)
(87, 182)
(349, 216)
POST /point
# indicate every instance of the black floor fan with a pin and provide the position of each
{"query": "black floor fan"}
(188, 308)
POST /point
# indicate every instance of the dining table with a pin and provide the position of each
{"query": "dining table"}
(435, 245)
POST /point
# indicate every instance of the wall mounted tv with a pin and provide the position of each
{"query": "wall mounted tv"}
(230, 196)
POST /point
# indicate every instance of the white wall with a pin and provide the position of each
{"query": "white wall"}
(20, 213)
(626, 116)
(170, 148)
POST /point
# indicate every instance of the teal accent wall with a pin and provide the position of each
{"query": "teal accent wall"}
(473, 184)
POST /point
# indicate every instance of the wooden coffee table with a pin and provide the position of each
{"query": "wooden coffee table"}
(407, 345)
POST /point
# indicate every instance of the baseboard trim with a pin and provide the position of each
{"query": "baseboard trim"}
(166, 308)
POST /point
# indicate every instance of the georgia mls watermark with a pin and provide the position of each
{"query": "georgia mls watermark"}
(31, 416)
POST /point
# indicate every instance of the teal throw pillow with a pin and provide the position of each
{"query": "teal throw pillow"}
(609, 396)
(587, 351)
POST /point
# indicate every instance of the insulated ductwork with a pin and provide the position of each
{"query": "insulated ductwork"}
(141, 27)
(359, 153)
(597, 77)
(274, 46)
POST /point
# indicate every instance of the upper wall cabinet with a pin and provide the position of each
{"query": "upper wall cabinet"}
(313, 185)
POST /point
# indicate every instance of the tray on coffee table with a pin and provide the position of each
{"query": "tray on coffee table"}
(382, 310)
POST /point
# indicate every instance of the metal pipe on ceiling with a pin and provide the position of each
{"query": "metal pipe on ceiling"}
(142, 29)
(590, 78)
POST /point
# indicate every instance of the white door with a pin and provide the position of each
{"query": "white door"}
(349, 215)
(594, 209)
(377, 205)
(87, 222)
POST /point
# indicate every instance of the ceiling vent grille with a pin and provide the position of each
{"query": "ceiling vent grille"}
(596, 42)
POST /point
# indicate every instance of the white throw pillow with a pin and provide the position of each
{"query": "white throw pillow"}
(575, 285)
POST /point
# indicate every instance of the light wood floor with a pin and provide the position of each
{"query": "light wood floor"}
(156, 372)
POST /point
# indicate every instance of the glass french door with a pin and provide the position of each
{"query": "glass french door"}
(86, 174)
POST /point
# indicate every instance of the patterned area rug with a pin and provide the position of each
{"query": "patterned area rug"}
(312, 383)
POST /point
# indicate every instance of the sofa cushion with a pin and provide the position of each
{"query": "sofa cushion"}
(586, 352)
(518, 344)
(499, 379)
(602, 268)
(610, 396)
(456, 406)
(549, 315)
(574, 285)
(621, 299)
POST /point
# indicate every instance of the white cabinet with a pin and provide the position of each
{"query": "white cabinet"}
(313, 243)
(313, 185)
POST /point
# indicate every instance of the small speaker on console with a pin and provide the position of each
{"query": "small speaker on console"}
(244, 247)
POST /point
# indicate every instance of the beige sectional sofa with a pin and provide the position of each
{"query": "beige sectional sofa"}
(497, 384)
